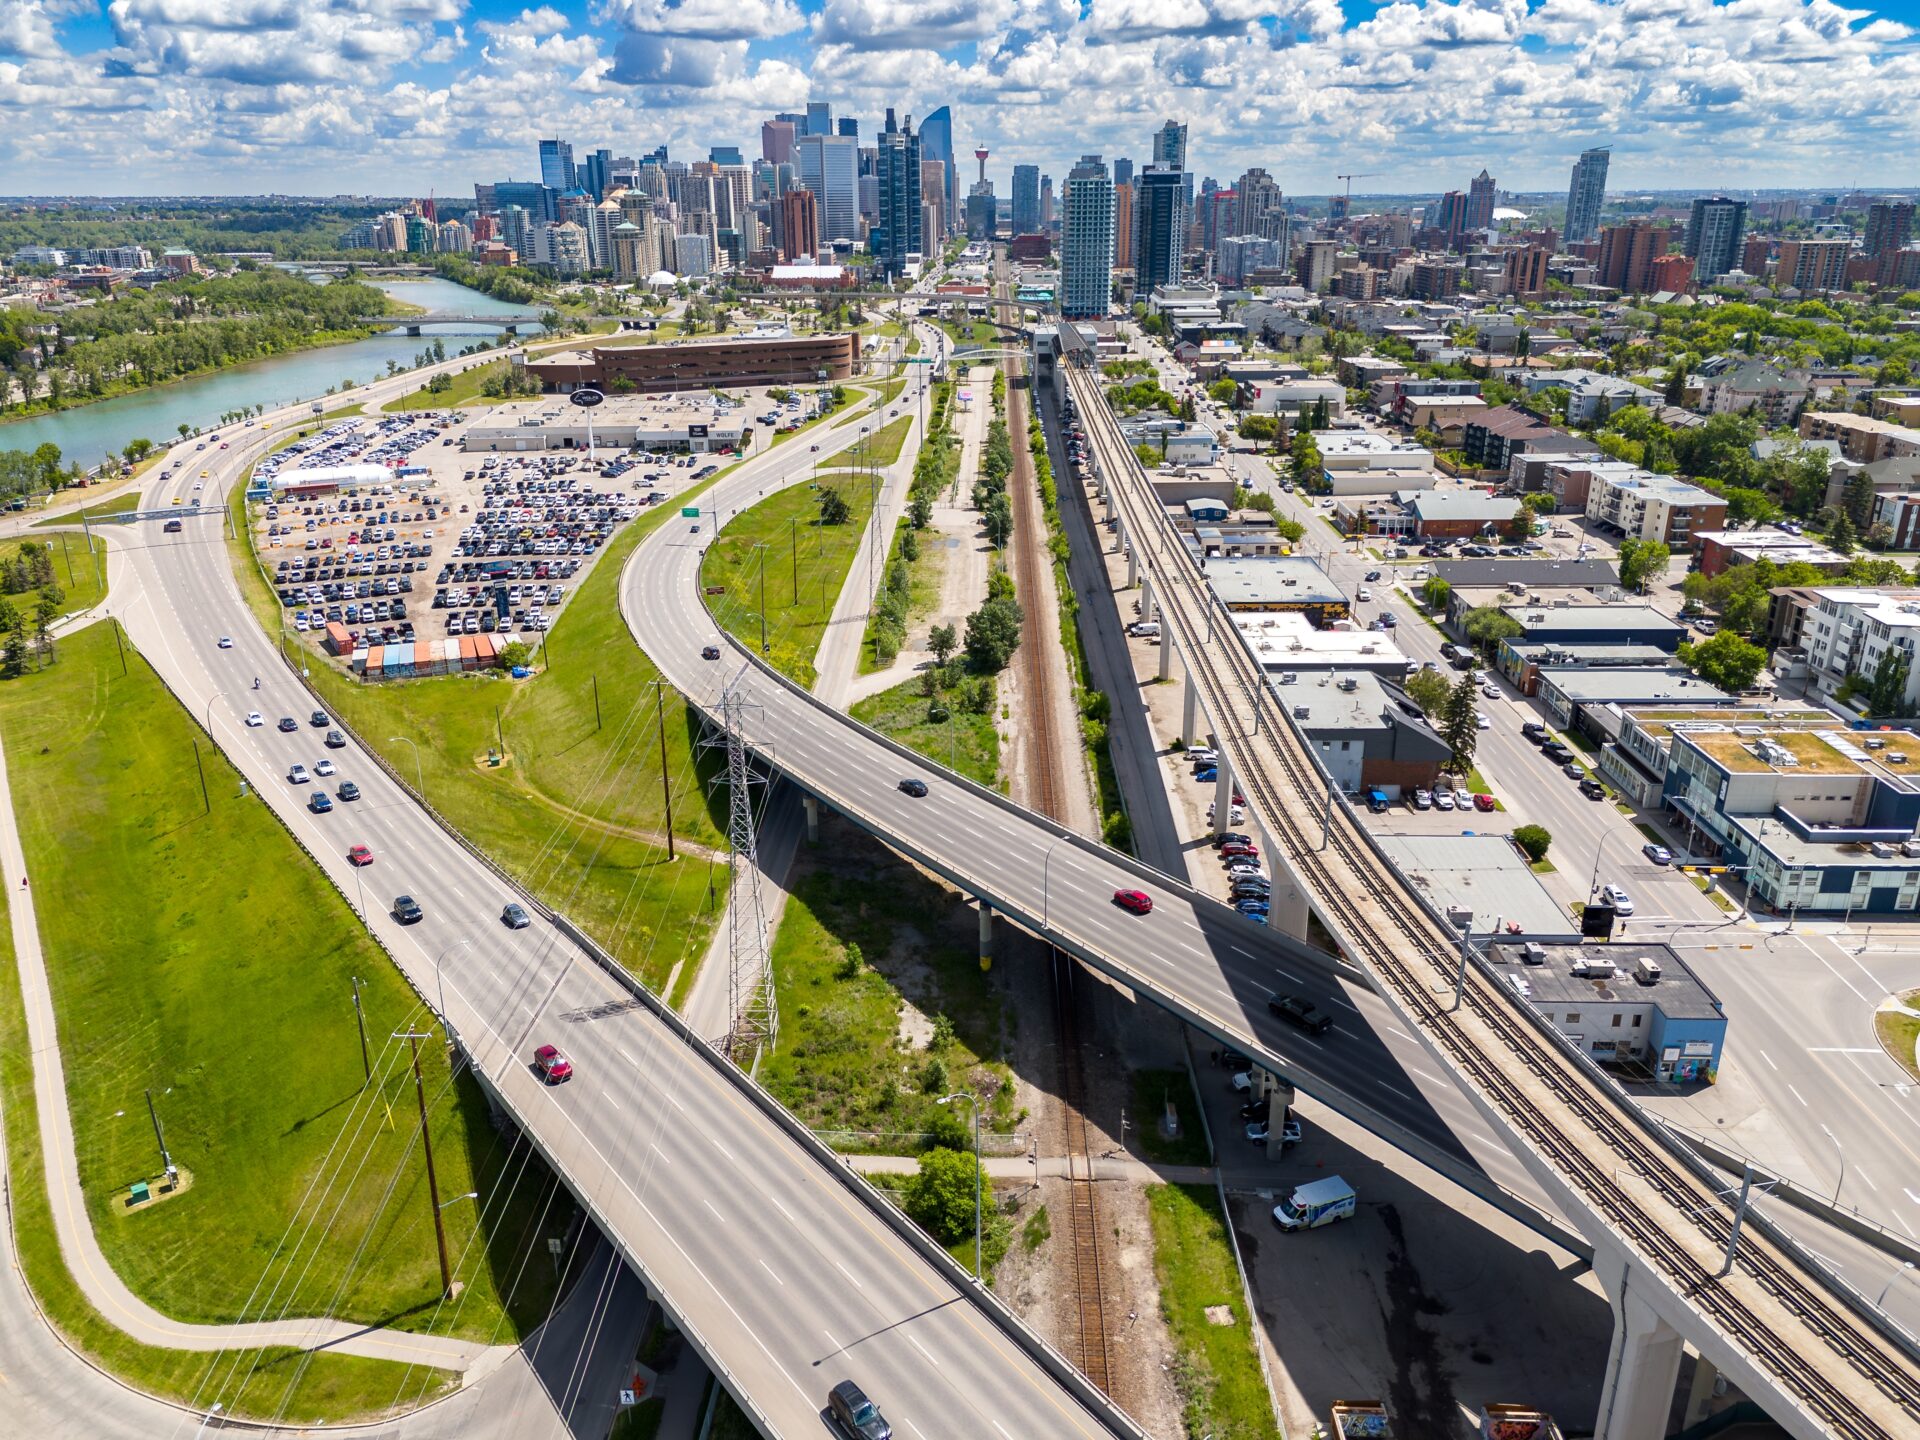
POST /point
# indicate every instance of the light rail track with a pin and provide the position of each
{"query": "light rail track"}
(1676, 1218)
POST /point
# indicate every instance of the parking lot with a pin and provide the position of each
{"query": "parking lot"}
(451, 543)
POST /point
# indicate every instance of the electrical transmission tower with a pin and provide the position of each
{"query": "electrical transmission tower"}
(753, 1014)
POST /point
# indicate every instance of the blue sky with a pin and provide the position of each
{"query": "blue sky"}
(402, 96)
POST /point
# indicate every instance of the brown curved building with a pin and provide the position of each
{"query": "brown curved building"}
(700, 364)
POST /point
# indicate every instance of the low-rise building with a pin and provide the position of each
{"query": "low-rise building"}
(1720, 550)
(1629, 1005)
(1491, 441)
(1459, 514)
(1289, 643)
(1622, 623)
(1592, 699)
(771, 359)
(1647, 506)
(1354, 718)
(693, 424)
(1847, 630)
(1591, 396)
(1862, 438)
(1365, 462)
(1268, 585)
(1635, 761)
(1778, 395)
(1447, 416)
(1522, 661)
(1295, 397)
(1481, 881)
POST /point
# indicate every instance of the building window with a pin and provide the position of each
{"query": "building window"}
(1616, 1022)
(1573, 1017)
(1636, 1021)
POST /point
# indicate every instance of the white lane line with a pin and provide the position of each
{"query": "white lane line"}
(1002, 1429)
(1913, 1197)
(1396, 1090)
(782, 1209)
(1863, 1175)
(769, 1269)
(1426, 1075)
(1844, 1050)
(661, 1153)
(849, 1274)
(624, 1055)
(674, 1100)
(1769, 1059)
(914, 1341)
(1398, 1031)
(721, 1148)
(1796, 1094)
(716, 1214)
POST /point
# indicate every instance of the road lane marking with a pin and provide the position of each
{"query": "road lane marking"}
(716, 1214)
(849, 1274)
(1769, 1059)
(1864, 1176)
(661, 1153)
(915, 1342)
(764, 1266)
(1396, 1090)
(1844, 1050)
(1398, 1031)
(1796, 1094)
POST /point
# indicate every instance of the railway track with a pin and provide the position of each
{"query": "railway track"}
(1671, 1214)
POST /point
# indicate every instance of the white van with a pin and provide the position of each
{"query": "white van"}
(1145, 629)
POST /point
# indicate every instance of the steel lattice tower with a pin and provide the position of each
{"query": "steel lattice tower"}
(753, 1013)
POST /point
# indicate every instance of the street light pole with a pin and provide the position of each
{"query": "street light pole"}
(440, 981)
(973, 1104)
(1838, 1150)
(207, 1419)
(419, 770)
(1046, 891)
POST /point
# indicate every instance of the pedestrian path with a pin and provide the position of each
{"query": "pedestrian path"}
(103, 1288)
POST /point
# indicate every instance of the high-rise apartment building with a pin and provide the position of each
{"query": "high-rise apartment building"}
(1627, 253)
(1314, 266)
(1160, 226)
(776, 142)
(1219, 217)
(1670, 275)
(1046, 200)
(1449, 215)
(1259, 205)
(1480, 192)
(1170, 146)
(1086, 241)
(1810, 265)
(830, 168)
(1026, 199)
(1123, 226)
(936, 218)
(799, 225)
(1889, 226)
(1123, 171)
(1526, 272)
(1587, 195)
(1713, 236)
(898, 165)
(556, 164)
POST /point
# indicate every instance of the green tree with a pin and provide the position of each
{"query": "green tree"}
(1429, 690)
(1887, 697)
(1533, 841)
(1459, 724)
(1844, 537)
(943, 641)
(1436, 592)
(997, 518)
(1487, 625)
(1746, 506)
(1726, 660)
(940, 1195)
(518, 653)
(834, 509)
(1871, 573)
(1223, 391)
(993, 634)
(1642, 561)
(1857, 500)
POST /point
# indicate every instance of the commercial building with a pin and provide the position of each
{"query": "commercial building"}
(1523, 662)
(1629, 1005)
(1291, 644)
(896, 240)
(783, 359)
(1714, 236)
(1482, 881)
(693, 424)
(1123, 223)
(1554, 622)
(1647, 506)
(829, 166)
(1589, 699)
(1160, 226)
(1587, 195)
(1862, 438)
(1353, 719)
(1458, 514)
(936, 144)
(1268, 584)
(1086, 242)
(799, 213)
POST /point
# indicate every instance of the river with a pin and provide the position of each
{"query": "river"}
(89, 432)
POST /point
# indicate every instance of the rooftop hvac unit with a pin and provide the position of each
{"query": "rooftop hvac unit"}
(1895, 757)
(1910, 847)
(1881, 850)
(1533, 953)
(1874, 743)
(1647, 971)
(1593, 968)
(1301, 712)
(1287, 677)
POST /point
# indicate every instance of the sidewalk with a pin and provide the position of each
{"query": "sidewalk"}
(103, 1288)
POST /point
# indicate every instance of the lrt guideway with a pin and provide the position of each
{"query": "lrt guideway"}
(1819, 1358)
(780, 1272)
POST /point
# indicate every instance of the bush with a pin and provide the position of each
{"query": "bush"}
(940, 1195)
(1533, 841)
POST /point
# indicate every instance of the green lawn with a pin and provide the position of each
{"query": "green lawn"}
(840, 1063)
(1152, 1089)
(80, 577)
(883, 446)
(964, 741)
(577, 812)
(1218, 1371)
(119, 505)
(284, 1384)
(463, 389)
(923, 588)
(801, 571)
(1897, 1032)
(199, 955)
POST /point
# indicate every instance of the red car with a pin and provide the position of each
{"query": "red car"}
(1483, 802)
(1138, 901)
(1240, 847)
(554, 1067)
(360, 855)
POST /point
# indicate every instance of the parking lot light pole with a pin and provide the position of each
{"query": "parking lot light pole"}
(973, 1103)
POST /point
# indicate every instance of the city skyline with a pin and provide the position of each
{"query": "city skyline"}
(407, 96)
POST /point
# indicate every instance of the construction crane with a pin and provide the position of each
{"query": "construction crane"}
(1346, 207)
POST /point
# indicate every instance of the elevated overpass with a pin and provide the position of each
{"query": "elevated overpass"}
(1764, 1310)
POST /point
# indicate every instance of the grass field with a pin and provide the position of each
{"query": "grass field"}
(463, 389)
(82, 578)
(805, 565)
(923, 589)
(965, 742)
(1152, 1089)
(1221, 1388)
(841, 1062)
(118, 505)
(198, 954)
(577, 812)
(268, 1384)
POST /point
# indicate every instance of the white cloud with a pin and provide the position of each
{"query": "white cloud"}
(707, 19)
(909, 24)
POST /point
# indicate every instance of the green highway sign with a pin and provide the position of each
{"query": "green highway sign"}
(690, 512)
(916, 360)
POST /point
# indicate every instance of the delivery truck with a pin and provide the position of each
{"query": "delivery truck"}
(1316, 1203)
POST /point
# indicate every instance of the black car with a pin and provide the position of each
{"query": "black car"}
(915, 788)
(288, 724)
(1295, 1011)
(1593, 789)
(711, 652)
(854, 1415)
(514, 918)
(1255, 1109)
(1231, 837)
(349, 790)
(335, 740)
(407, 910)
(319, 720)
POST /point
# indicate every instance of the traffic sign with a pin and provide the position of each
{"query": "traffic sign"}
(690, 512)
(586, 399)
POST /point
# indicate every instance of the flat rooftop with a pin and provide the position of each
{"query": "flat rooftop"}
(1578, 619)
(1783, 750)
(1564, 574)
(1329, 706)
(1285, 640)
(1253, 580)
(1482, 872)
(646, 410)
(1607, 974)
(1631, 686)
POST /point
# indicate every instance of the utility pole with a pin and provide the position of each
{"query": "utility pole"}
(413, 1037)
(206, 805)
(166, 1160)
(68, 558)
(596, 702)
(360, 1019)
(666, 784)
(763, 596)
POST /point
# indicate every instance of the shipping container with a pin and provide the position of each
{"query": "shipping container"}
(338, 641)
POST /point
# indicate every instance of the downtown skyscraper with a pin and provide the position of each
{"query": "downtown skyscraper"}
(898, 231)
(1587, 195)
(1159, 225)
(1026, 199)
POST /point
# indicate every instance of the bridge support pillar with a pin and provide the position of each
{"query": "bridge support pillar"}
(1190, 713)
(812, 807)
(1133, 564)
(1223, 796)
(1146, 598)
(986, 935)
(1166, 654)
(1643, 1364)
(1700, 1392)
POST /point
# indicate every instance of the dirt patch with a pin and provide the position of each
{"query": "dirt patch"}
(1219, 1314)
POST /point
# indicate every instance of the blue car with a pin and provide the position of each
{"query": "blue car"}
(1207, 773)
(1252, 907)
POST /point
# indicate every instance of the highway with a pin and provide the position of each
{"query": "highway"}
(779, 1271)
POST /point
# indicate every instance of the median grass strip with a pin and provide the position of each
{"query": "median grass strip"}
(963, 740)
(278, 1383)
(777, 568)
(119, 505)
(194, 953)
(1216, 1367)
(465, 388)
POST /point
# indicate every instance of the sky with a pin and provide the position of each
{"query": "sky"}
(403, 97)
